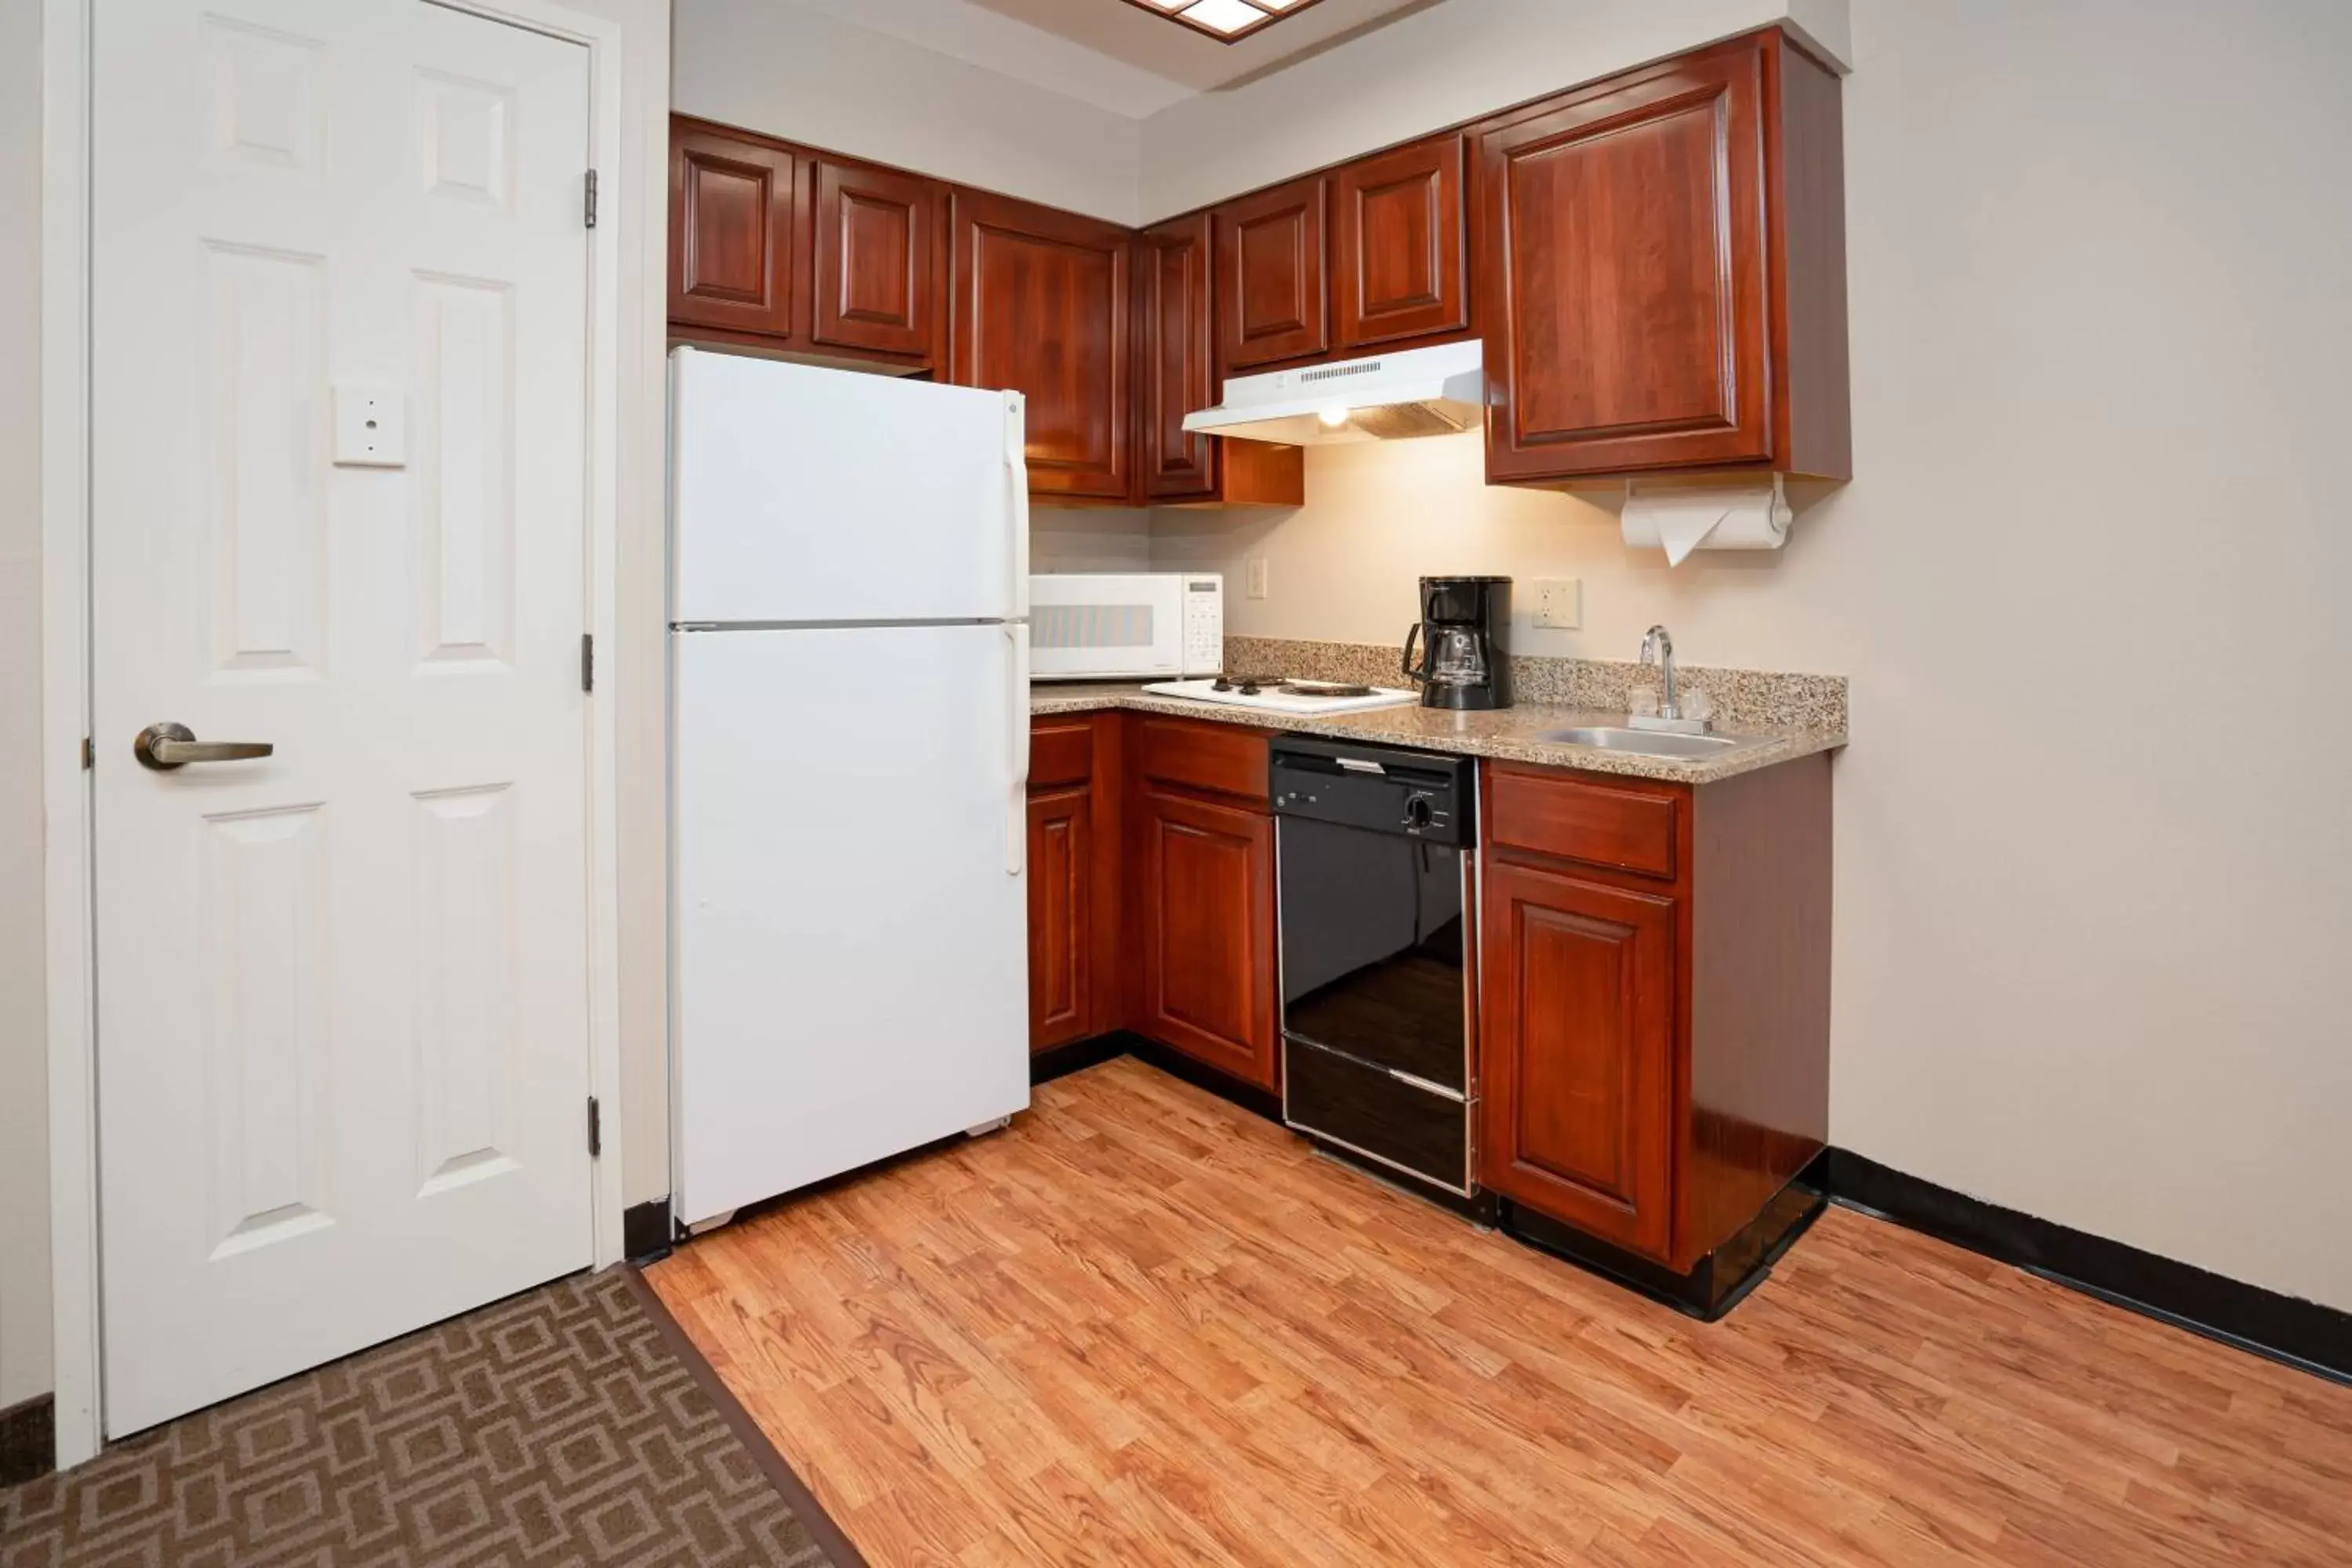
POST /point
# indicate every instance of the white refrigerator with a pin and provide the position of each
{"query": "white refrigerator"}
(849, 760)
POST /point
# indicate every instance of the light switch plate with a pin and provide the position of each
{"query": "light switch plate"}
(371, 426)
(1257, 577)
(1559, 603)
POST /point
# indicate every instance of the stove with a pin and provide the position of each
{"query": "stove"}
(1277, 694)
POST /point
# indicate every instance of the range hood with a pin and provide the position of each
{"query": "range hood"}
(1419, 391)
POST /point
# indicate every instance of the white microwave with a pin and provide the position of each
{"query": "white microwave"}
(1126, 626)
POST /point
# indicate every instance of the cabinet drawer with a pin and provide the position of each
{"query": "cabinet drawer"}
(1221, 758)
(1373, 1113)
(1060, 751)
(1626, 828)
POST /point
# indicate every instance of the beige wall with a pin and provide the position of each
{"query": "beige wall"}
(2087, 952)
(1452, 62)
(24, 1092)
(798, 72)
(1090, 538)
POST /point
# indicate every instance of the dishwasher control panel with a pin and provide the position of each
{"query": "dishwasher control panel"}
(1382, 789)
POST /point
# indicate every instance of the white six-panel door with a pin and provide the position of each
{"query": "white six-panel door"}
(343, 1012)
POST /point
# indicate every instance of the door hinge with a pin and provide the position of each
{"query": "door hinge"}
(89, 753)
(587, 661)
(595, 1130)
(589, 204)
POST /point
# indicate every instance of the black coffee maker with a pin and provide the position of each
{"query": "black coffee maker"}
(1463, 643)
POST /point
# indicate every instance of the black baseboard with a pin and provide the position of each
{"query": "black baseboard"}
(1175, 1064)
(645, 1236)
(28, 1440)
(1482, 1209)
(1076, 1057)
(1716, 1284)
(2299, 1333)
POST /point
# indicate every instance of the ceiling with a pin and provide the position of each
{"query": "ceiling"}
(1106, 52)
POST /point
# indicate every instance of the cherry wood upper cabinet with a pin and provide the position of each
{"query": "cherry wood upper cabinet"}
(1041, 307)
(1399, 245)
(1577, 1052)
(1663, 259)
(782, 247)
(879, 284)
(1269, 286)
(1176, 373)
(1174, 357)
(734, 218)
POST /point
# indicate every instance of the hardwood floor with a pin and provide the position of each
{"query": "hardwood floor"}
(1144, 1327)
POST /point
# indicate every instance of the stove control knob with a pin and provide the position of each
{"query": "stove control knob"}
(1418, 812)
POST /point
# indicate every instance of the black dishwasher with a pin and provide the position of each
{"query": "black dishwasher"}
(1373, 849)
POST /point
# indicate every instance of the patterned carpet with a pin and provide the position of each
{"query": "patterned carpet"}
(560, 1429)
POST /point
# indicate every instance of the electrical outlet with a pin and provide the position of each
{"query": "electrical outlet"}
(1257, 577)
(1560, 603)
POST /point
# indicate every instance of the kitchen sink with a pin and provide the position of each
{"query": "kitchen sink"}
(1648, 742)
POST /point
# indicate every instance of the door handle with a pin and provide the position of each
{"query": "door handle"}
(167, 746)
(1016, 826)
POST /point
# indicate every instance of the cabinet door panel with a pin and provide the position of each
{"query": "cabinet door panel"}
(1398, 245)
(733, 211)
(1625, 237)
(1041, 308)
(1061, 880)
(1576, 1053)
(1270, 280)
(1173, 346)
(1208, 987)
(877, 263)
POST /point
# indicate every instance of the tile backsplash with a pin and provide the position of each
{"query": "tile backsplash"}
(1744, 699)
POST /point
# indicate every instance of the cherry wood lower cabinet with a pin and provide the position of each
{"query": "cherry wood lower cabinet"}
(1152, 889)
(1653, 1053)
(1206, 891)
(1061, 916)
(1077, 769)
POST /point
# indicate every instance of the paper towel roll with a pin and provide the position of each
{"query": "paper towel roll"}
(1749, 517)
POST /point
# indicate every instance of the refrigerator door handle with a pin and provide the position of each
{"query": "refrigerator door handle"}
(1016, 478)
(1016, 705)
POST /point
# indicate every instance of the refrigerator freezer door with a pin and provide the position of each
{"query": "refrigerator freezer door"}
(851, 954)
(804, 494)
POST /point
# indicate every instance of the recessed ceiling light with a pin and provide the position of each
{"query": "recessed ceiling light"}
(1228, 21)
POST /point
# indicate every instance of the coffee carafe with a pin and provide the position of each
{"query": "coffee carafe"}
(1458, 652)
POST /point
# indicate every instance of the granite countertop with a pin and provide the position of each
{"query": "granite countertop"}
(1509, 733)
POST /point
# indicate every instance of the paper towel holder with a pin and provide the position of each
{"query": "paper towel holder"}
(1779, 493)
(1739, 515)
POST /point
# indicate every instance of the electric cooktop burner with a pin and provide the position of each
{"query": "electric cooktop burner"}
(1280, 694)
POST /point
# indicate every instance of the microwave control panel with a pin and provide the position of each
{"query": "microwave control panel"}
(1204, 625)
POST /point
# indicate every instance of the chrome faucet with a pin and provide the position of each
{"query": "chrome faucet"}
(1658, 648)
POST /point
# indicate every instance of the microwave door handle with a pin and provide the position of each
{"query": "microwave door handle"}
(1016, 475)
(1016, 707)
